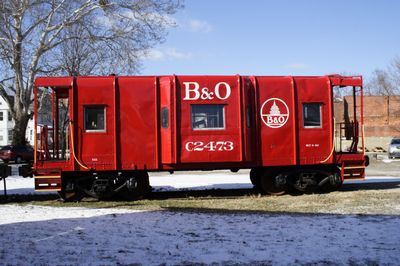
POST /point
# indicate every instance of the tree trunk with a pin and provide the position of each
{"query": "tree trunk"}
(32, 33)
(19, 131)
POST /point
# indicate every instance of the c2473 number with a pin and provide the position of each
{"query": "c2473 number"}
(210, 146)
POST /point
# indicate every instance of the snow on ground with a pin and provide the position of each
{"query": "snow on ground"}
(34, 235)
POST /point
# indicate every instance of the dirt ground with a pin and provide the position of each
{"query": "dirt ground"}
(381, 166)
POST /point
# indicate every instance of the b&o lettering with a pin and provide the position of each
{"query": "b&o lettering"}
(191, 89)
(193, 92)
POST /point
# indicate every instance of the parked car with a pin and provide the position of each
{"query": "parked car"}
(394, 148)
(16, 153)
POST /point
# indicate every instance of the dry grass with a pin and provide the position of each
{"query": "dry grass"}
(363, 198)
(350, 200)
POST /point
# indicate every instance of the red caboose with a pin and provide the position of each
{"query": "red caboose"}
(105, 134)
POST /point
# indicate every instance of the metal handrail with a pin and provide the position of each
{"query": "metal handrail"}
(349, 131)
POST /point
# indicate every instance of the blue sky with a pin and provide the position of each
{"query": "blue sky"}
(287, 37)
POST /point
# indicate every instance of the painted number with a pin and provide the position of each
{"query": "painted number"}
(210, 146)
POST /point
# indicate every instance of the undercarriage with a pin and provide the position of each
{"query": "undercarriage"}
(307, 179)
(124, 185)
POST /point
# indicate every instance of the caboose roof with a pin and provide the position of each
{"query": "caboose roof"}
(337, 80)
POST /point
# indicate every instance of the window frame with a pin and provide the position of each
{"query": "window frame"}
(209, 128)
(85, 107)
(320, 114)
(10, 135)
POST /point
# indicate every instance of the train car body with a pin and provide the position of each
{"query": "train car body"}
(106, 133)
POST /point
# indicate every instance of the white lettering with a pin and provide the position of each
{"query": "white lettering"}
(189, 146)
(227, 93)
(275, 120)
(206, 95)
(210, 146)
(194, 90)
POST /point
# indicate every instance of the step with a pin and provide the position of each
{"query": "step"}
(49, 181)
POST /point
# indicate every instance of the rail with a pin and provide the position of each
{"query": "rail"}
(46, 149)
(348, 136)
(5, 171)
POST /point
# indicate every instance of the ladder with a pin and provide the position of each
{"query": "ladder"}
(352, 170)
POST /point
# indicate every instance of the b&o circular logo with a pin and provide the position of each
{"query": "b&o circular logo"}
(274, 113)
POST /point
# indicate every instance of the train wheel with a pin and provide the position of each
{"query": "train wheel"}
(70, 192)
(255, 178)
(334, 183)
(71, 196)
(137, 186)
(270, 185)
(307, 180)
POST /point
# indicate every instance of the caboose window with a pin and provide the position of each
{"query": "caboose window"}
(164, 117)
(208, 116)
(94, 118)
(312, 115)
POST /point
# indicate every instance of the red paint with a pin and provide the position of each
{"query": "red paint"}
(134, 138)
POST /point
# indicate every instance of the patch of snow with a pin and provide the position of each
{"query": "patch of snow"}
(202, 181)
(387, 160)
(375, 179)
(19, 185)
(31, 213)
(33, 235)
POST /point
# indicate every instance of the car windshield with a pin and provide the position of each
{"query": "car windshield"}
(395, 141)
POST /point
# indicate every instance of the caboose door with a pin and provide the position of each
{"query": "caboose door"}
(295, 120)
(314, 109)
(94, 123)
(276, 121)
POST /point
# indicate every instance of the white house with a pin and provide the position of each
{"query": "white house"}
(7, 124)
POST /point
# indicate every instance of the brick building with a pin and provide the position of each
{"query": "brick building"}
(381, 118)
(381, 114)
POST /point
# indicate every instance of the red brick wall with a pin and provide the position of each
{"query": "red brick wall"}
(381, 114)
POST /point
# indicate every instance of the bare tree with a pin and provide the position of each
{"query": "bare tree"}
(385, 82)
(79, 56)
(36, 35)
(381, 83)
(394, 71)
